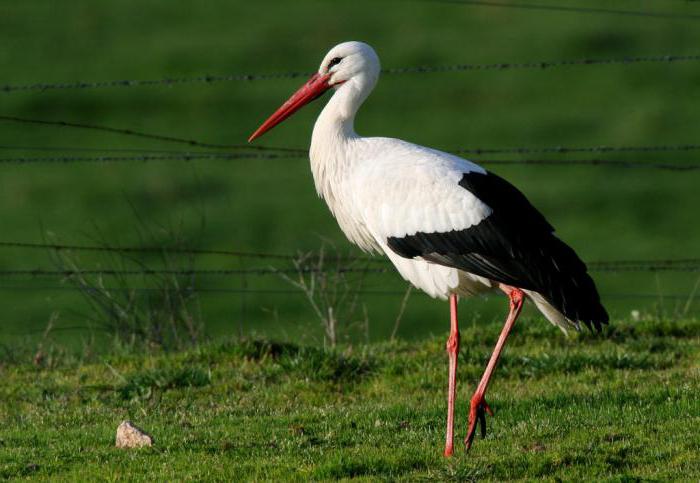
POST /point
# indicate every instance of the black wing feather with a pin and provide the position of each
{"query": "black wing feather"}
(515, 245)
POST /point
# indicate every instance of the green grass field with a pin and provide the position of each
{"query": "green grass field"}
(618, 408)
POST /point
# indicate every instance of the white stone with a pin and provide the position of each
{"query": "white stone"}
(129, 436)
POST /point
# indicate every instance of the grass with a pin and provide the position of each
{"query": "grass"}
(619, 407)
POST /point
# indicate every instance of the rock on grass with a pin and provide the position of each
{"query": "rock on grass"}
(129, 436)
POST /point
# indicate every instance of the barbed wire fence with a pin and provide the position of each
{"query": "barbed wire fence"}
(660, 165)
(115, 283)
(266, 152)
(683, 265)
(421, 69)
(199, 150)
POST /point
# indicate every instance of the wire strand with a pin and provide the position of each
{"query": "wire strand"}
(146, 158)
(673, 166)
(304, 152)
(425, 69)
(157, 137)
(193, 289)
(613, 266)
(40, 272)
(473, 151)
(71, 149)
(226, 290)
(161, 250)
(542, 65)
(684, 264)
(579, 149)
(194, 156)
(571, 9)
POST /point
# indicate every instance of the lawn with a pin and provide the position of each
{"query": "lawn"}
(617, 407)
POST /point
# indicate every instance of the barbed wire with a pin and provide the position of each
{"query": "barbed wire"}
(206, 79)
(304, 152)
(613, 266)
(595, 162)
(571, 9)
(132, 249)
(678, 265)
(192, 289)
(579, 149)
(424, 69)
(252, 291)
(148, 157)
(685, 264)
(193, 156)
(108, 272)
(140, 134)
(542, 65)
(108, 149)
(644, 268)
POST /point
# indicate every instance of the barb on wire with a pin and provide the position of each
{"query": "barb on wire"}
(156, 137)
(425, 69)
(571, 9)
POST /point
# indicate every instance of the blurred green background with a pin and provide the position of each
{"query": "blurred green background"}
(270, 205)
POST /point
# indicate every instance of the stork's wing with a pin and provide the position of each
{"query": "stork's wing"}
(489, 229)
(505, 246)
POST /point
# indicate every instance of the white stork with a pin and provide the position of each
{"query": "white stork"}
(450, 227)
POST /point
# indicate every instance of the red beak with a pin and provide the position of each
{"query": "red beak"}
(314, 87)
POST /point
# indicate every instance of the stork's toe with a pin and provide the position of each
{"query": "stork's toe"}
(477, 413)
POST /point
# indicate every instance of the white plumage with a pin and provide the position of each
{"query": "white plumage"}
(394, 188)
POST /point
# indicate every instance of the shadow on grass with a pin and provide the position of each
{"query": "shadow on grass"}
(142, 384)
(342, 465)
(317, 364)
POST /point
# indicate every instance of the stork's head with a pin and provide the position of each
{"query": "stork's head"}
(350, 60)
(354, 63)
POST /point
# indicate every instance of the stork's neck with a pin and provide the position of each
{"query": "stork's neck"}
(336, 123)
(334, 134)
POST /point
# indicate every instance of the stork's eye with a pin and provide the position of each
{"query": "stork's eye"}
(334, 61)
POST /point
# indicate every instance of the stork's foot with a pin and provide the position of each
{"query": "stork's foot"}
(477, 411)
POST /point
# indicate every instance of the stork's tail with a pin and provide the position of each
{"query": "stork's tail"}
(567, 295)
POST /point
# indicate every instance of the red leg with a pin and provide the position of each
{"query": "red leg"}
(452, 351)
(478, 403)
